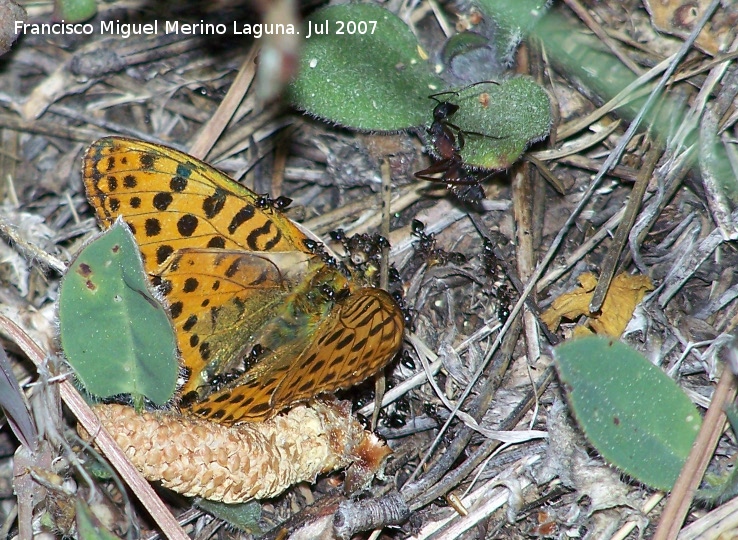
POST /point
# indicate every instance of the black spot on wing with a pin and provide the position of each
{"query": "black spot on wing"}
(163, 253)
(175, 310)
(233, 268)
(152, 227)
(190, 285)
(252, 240)
(147, 161)
(359, 345)
(213, 204)
(261, 408)
(345, 341)
(178, 184)
(187, 224)
(216, 242)
(162, 201)
(189, 323)
(242, 216)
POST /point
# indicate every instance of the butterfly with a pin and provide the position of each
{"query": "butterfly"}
(263, 318)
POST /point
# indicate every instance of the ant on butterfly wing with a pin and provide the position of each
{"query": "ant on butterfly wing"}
(330, 294)
(317, 248)
(446, 142)
(219, 381)
(265, 201)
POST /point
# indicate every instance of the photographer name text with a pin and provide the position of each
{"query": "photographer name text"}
(257, 30)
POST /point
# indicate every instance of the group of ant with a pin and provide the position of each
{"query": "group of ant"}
(446, 142)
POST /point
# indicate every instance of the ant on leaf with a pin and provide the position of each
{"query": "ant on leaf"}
(446, 141)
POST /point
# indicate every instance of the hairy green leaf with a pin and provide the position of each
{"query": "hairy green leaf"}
(631, 411)
(116, 335)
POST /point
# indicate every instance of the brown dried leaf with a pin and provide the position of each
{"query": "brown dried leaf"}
(678, 17)
(624, 295)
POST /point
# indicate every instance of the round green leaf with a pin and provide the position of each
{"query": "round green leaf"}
(500, 120)
(631, 411)
(363, 70)
(116, 335)
(76, 10)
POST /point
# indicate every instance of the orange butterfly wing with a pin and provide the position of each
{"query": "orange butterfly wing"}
(238, 274)
(173, 201)
(218, 301)
(359, 337)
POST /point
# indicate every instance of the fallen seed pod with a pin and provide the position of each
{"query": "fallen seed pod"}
(233, 464)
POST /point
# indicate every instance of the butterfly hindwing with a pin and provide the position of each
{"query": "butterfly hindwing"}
(358, 338)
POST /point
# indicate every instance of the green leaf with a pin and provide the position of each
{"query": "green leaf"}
(372, 77)
(631, 411)
(513, 20)
(116, 335)
(74, 11)
(243, 516)
(88, 526)
(500, 120)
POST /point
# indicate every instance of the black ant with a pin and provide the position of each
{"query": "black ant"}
(497, 282)
(317, 248)
(446, 143)
(407, 312)
(265, 201)
(330, 294)
(442, 138)
(222, 379)
(362, 249)
(426, 247)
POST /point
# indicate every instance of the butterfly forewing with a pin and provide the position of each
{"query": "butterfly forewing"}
(173, 201)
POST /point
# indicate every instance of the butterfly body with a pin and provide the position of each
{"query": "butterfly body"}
(263, 320)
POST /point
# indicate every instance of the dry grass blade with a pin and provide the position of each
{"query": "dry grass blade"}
(169, 526)
(211, 132)
(686, 486)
